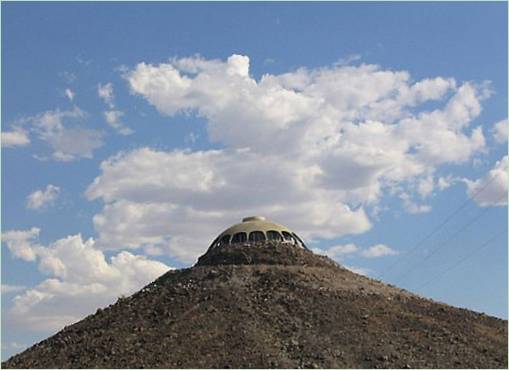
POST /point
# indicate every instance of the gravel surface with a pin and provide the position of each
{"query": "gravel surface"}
(272, 306)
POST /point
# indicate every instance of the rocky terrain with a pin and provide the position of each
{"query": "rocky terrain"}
(272, 306)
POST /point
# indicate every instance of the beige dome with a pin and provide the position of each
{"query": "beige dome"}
(257, 229)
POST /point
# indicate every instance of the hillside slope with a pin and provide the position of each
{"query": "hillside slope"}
(272, 305)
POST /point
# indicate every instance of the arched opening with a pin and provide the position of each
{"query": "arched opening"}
(288, 237)
(274, 235)
(256, 236)
(224, 240)
(239, 238)
(300, 241)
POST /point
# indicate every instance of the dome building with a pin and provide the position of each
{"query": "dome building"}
(256, 229)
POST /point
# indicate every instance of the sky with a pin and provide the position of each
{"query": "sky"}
(134, 133)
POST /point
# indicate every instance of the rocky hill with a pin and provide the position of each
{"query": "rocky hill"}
(272, 306)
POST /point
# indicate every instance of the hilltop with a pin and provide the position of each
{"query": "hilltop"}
(271, 305)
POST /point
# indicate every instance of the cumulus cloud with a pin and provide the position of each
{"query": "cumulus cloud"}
(445, 182)
(162, 198)
(112, 116)
(42, 198)
(17, 137)
(500, 131)
(310, 148)
(13, 345)
(425, 186)
(491, 189)
(105, 92)
(69, 94)
(62, 131)
(349, 59)
(412, 207)
(331, 112)
(22, 244)
(338, 252)
(359, 270)
(7, 288)
(378, 250)
(308, 106)
(80, 279)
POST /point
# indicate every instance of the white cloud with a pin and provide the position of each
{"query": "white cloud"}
(6, 288)
(412, 207)
(42, 198)
(349, 59)
(328, 110)
(69, 94)
(62, 132)
(80, 279)
(426, 186)
(105, 92)
(338, 252)
(500, 131)
(359, 270)
(445, 182)
(378, 250)
(295, 142)
(21, 243)
(13, 346)
(491, 189)
(113, 118)
(18, 137)
(156, 198)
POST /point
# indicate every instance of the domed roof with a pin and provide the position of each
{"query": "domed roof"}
(256, 229)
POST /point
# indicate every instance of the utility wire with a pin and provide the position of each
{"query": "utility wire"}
(477, 250)
(442, 224)
(451, 237)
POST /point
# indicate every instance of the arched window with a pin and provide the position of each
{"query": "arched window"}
(288, 237)
(274, 235)
(300, 241)
(239, 238)
(214, 243)
(256, 236)
(224, 240)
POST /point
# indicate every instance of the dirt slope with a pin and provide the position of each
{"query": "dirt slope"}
(272, 306)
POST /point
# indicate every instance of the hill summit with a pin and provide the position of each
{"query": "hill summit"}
(272, 305)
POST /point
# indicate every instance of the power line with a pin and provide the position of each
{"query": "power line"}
(451, 237)
(477, 250)
(442, 224)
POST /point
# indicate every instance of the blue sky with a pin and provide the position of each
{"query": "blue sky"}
(132, 134)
